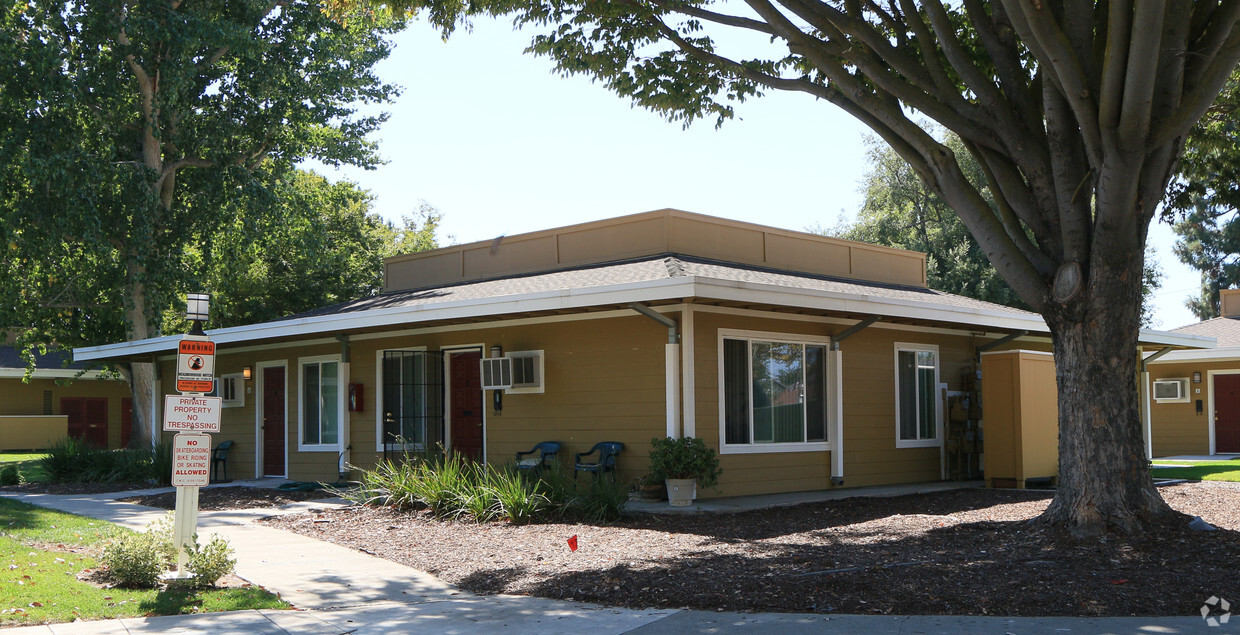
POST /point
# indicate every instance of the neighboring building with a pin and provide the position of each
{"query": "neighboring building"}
(807, 361)
(1194, 395)
(59, 400)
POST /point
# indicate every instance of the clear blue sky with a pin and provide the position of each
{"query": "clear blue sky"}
(501, 145)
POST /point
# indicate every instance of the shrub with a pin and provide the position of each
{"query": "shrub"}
(686, 457)
(9, 475)
(602, 501)
(72, 460)
(518, 499)
(209, 562)
(135, 560)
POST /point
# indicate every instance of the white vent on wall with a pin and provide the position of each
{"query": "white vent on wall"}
(497, 373)
(1171, 390)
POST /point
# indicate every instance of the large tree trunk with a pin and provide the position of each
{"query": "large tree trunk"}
(1104, 478)
(141, 376)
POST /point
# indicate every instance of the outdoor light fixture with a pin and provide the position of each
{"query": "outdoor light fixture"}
(1196, 378)
(497, 350)
(197, 310)
(247, 373)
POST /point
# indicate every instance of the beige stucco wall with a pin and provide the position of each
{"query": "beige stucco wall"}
(33, 432)
(1176, 428)
(21, 398)
(1021, 416)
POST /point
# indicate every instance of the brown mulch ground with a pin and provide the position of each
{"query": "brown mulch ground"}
(238, 497)
(74, 488)
(965, 552)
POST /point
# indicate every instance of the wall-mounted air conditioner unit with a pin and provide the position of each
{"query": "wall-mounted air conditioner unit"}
(497, 373)
(1173, 390)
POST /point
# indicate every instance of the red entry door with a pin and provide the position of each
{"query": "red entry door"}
(88, 418)
(273, 421)
(465, 403)
(1227, 413)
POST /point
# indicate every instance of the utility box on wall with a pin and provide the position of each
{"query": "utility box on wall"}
(1021, 417)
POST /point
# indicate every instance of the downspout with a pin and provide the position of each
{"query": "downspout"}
(671, 354)
(835, 397)
(344, 458)
(1147, 422)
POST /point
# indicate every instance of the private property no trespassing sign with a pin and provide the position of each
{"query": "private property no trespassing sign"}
(189, 413)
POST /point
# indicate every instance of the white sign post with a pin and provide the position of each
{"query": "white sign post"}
(190, 415)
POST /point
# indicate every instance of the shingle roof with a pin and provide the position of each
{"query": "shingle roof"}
(652, 269)
(10, 357)
(1225, 330)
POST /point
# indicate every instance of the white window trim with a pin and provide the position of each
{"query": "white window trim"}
(302, 446)
(765, 448)
(542, 379)
(379, 401)
(239, 402)
(938, 406)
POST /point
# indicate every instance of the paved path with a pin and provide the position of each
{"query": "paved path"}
(339, 590)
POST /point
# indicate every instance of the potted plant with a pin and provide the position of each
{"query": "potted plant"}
(683, 464)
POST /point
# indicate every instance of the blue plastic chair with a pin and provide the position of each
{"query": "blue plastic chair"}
(547, 452)
(607, 453)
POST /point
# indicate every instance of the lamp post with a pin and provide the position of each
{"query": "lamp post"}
(197, 310)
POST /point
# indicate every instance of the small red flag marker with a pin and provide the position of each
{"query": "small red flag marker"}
(572, 543)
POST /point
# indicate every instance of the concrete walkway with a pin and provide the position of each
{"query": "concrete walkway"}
(338, 590)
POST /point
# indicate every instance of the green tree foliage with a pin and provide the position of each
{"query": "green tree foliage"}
(1075, 110)
(127, 126)
(1205, 201)
(323, 247)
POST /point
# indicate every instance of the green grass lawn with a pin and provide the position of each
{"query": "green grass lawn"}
(41, 553)
(1200, 470)
(27, 464)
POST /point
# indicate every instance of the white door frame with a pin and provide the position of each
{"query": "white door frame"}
(448, 351)
(259, 404)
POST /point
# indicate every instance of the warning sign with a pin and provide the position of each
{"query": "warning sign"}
(196, 366)
(191, 460)
(188, 413)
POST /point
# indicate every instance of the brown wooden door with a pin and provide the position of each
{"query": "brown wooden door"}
(88, 418)
(273, 421)
(1227, 413)
(465, 403)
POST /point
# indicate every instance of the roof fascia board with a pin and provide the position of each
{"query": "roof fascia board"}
(671, 288)
(1216, 354)
(49, 373)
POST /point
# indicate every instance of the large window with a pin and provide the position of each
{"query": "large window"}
(774, 394)
(917, 381)
(321, 402)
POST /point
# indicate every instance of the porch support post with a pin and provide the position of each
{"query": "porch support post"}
(687, 372)
(835, 397)
(835, 411)
(1146, 418)
(672, 376)
(346, 359)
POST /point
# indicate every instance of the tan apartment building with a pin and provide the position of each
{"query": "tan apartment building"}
(807, 362)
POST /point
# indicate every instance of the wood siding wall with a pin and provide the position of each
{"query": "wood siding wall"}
(1176, 427)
